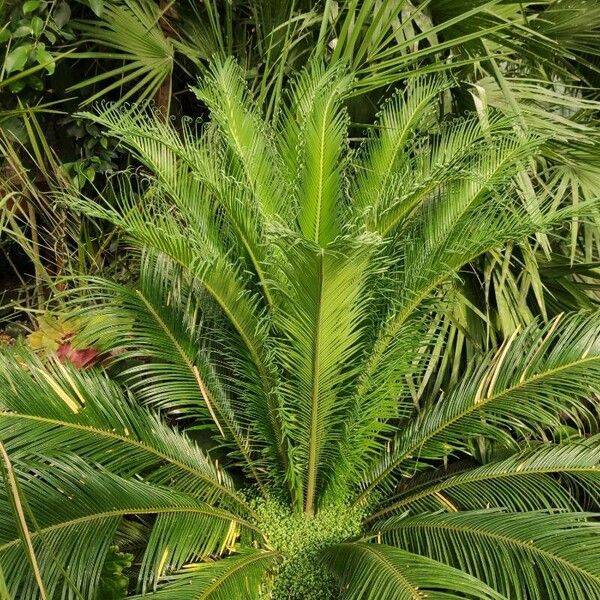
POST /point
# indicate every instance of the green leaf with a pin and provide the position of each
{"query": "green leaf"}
(43, 57)
(318, 134)
(30, 6)
(37, 24)
(321, 326)
(75, 525)
(379, 572)
(16, 86)
(237, 577)
(520, 483)
(17, 58)
(526, 556)
(35, 83)
(159, 451)
(97, 6)
(22, 31)
(526, 384)
(131, 32)
(61, 14)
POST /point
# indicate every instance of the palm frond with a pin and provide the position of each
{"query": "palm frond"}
(380, 572)
(522, 555)
(190, 171)
(256, 161)
(319, 321)
(226, 282)
(445, 233)
(171, 362)
(238, 577)
(385, 43)
(519, 483)
(76, 512)
(403, 115)
(48, 409)
(530, 383)
(128, 31)
(315, 151)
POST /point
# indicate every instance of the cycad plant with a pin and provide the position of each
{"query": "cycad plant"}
(253, 432)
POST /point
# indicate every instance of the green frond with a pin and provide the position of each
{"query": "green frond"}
(4, 593)
(75, 512)
(238, 577)
(384, 153)
(527, 385)
(447, 231)
(190, 171)
(129, 32)
(432, 253)
(380, 572)
(167, 355)
(316, 153)
(529, 556)
(453, 155)
(521, 483)
(226, 282)
(47, 409)
(388, 42)
(257, 162)
(320, 318)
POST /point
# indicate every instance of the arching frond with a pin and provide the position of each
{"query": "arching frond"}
(49, 409)
(190, 171)
(171, 358)
(228, 284)
(75, 512)
(462, 219)
(380, 572)
(522, 555)
(519, 483)
(257, 162)
(238, 577)
(384, 153)
(528, 384)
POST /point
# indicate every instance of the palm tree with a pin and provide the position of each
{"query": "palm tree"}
(254, 433)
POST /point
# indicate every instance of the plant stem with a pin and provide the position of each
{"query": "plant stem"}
(13, 492)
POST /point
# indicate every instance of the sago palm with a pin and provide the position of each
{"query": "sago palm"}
(253, 433)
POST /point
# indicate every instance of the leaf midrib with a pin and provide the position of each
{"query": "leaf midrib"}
(391, 567)
(449, 484)
(231, 426)
(313, 441)
(241, 564)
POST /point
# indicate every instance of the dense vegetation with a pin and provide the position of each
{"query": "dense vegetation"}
(300, 300)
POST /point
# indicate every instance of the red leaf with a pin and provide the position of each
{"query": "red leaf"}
(79, 358)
